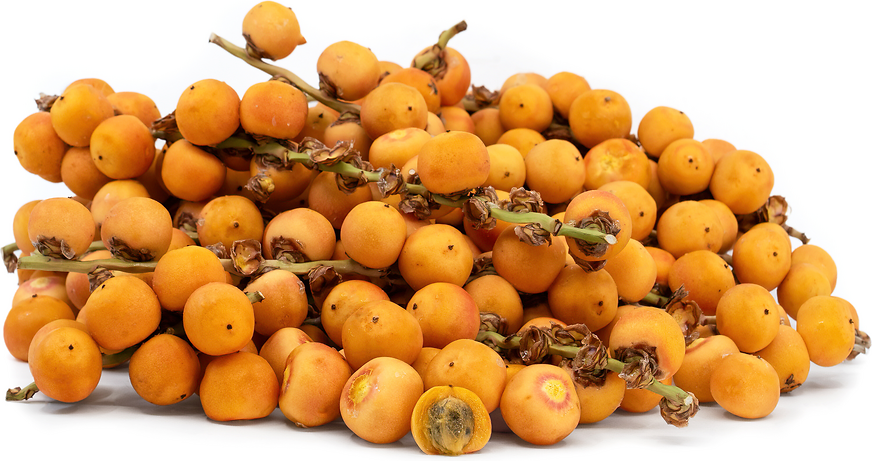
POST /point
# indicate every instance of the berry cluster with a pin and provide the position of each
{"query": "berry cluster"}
(411, 253)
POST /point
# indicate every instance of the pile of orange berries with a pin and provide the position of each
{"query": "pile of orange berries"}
(413, 253)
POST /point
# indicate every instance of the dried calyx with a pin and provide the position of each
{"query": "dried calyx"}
(246, 256)
(600, 221)
(775, 210)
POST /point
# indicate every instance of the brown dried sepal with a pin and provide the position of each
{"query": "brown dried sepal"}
(323, 277)
(167, 123)
(342, 151)
(327, 86)
(789, 384)
(246, 256)
(415, 204)
(493, 322)
(45, 101)
(97, 276)
(558, 131)
(534, 345)
(265, 162)
(262, 186)
(11, 261)
(121, 250)
(390, 181)
(347, 117)
(640, 366)
(601, 221)
(775, 210)
(437, 67)
(523, 201)
(483, 262)
(660, 289)
(219, 249)
(688, 315)
(862, 343)
(589, 364)
(482, 97)
(569, 335)
(187, 221)
(588, 266)
(533, 234)
(53, 247)
(289, 250)
(477, 209)
(309, 145)
(255, 51)
(678, 413)
(349, 183)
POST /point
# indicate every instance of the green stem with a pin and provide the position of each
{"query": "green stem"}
(63, 265)
(550, 224)
(671, 392)
(512, 342)
(39, 262)
(654, 299)
(345, 266)
(277, 71)
(418, 189)
(433, 53)
(255, 296)
(18, 394)
(10, 248)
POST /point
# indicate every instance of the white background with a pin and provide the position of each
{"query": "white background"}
(788, 80)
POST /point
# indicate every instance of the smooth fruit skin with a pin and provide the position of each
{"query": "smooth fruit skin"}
(76, 114)
(746, 386)
(27, 317)
(539, 404)
(598, 115)
(743, 180)
(165, 370)
(700, 359)
(661, 126)
(748, 314)
(445, 312)
(312, 384)
(273, 29)
(239, 386)
(788, 354)
(379, 398)
(37, 146)
(66, 364)
(452, 162)
(827, 328)
(208, 112)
